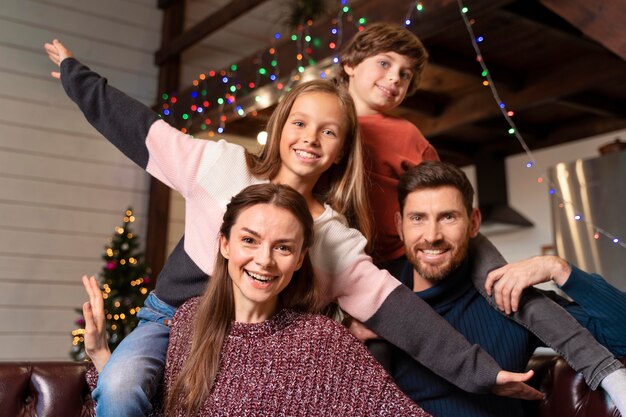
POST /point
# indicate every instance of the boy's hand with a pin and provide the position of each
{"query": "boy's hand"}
(514, 278)
(96, 344)
(57, 53)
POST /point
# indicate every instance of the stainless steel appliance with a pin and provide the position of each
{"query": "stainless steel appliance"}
(595, 190)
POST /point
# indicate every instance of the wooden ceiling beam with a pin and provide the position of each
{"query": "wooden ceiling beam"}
(450, 61)
(566, 79)
(205, 27)
(596, 104)
(536, 15)
(440, 16)
(602, 21)
(579, 129)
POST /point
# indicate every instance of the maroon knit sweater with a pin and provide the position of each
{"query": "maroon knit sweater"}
(290, 365)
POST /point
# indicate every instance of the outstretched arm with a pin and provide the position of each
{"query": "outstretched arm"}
(394, 312)
(96, 344)
(170, 156)
(124, 121)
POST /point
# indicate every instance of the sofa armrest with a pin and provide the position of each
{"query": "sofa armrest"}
(44, 389)
(567, 394)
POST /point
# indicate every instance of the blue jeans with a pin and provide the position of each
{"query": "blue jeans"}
(130, 378)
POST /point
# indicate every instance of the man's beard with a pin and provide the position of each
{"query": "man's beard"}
(436, 274)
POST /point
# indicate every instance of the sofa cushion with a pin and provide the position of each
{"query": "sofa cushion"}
(44, 389)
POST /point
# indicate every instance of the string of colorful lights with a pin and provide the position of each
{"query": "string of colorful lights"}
(268, 72)
(513, 131)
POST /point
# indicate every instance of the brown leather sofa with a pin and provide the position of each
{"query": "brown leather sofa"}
(58, 389)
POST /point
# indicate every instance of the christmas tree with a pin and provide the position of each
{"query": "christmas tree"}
(124, 283)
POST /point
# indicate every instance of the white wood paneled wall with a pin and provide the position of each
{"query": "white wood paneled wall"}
(63, 188)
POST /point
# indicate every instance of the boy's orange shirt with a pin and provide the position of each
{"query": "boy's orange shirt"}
(391, 145)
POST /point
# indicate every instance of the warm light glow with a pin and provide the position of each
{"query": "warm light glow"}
(262, 137)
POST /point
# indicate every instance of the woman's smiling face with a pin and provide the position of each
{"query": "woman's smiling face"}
(264, 249)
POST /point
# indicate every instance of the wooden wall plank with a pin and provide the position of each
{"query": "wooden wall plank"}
(33, 243)
(21, 35)
(12, 83)
(69, 196)
(88, 25)
(40, 268)
(63, 188)
(16, 347)
(51, 115)
(71, 171)
(37, 139)
(56, 220)
(143, 15)
(37, 295)
(48, 320)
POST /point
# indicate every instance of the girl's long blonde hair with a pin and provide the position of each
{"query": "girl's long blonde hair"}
(342, 186)
(216, 309)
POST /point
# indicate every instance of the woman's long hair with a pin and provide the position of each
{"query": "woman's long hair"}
(342, 186)
(216, 309)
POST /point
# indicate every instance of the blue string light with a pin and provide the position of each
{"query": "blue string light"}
(514, 131)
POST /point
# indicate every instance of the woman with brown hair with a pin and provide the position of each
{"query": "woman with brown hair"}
(252, 345)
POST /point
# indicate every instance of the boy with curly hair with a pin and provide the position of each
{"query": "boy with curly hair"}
(381, 65)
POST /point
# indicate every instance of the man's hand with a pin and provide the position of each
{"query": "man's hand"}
(359, 330)
(96, 344)
(57, 53)
(508, 283)
(513, 385)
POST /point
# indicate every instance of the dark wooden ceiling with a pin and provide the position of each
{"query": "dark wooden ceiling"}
(559, 65)
(562, 73)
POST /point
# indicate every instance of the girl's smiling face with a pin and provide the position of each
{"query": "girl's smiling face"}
(264, 249)
(312, 138)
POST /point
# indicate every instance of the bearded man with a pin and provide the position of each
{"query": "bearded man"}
(447, 258)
